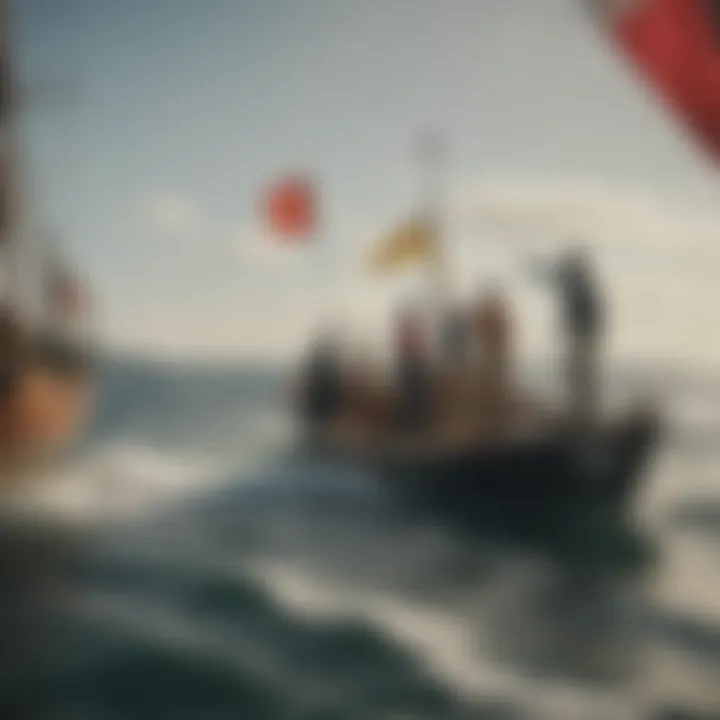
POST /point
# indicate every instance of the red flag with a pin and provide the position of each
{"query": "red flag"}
(676, 45)
(290, 208)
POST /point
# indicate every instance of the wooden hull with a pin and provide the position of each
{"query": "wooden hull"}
(544, 476)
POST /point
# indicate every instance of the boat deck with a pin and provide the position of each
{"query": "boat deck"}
(357, 435)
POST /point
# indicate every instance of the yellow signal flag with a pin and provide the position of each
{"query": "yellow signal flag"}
(413, 241)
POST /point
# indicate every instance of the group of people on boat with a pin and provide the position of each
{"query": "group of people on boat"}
(461, 376)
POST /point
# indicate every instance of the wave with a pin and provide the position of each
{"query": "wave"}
(293, 559)
(117, 482)
(439, 638)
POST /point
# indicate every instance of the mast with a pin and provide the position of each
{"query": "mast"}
(25, 261)
(9, 185)
(431, 151)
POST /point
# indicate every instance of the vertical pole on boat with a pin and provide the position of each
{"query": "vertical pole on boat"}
(431, 151)
(8, 164)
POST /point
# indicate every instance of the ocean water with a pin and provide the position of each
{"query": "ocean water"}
(208, 572)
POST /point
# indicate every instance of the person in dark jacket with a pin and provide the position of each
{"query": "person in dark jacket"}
(454, 336)
(584, 324)
(413, 372)
(322, 387)
(491, 377)
(582, 299)
(452, 379)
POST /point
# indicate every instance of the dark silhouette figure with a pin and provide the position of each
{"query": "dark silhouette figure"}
(584, 325)
(413, 373)
(322, 390)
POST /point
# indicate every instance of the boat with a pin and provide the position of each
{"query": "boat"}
(548, 472)
(46, 355)
(535, 458)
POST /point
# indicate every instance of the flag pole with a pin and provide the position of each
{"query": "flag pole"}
(431, 154)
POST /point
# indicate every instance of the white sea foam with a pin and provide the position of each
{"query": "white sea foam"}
(440, 638)
(116, 482)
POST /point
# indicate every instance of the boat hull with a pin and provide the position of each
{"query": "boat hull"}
(547, 476)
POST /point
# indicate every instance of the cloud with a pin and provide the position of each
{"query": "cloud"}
(640, 229)
(600, 213)
(170, 214)
(256, 250)
(658, 253)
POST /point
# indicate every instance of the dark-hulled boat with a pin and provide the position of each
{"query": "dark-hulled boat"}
(483, 445)
(545, 473)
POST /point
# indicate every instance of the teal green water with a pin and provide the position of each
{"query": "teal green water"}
(229, 580)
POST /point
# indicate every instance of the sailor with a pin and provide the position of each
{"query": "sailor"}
(322, 394)
(454, 346)
(413, 372)
(362, 396)
(492, 335)
(454, 336)
(583, 324)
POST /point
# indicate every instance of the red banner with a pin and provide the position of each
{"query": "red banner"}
(676, 46)
(290, 208)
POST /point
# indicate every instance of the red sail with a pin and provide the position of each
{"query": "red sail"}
(290, 208)
(676, 46)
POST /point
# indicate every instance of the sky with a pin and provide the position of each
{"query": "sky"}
(169, 117)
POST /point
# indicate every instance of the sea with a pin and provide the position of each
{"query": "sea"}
(208, 570)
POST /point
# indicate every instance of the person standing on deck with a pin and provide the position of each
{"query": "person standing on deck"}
(492, 367)
(583, 316)
(454, 337)
(454, 351)
(322, 383)
(583, 324)
(413, 372)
